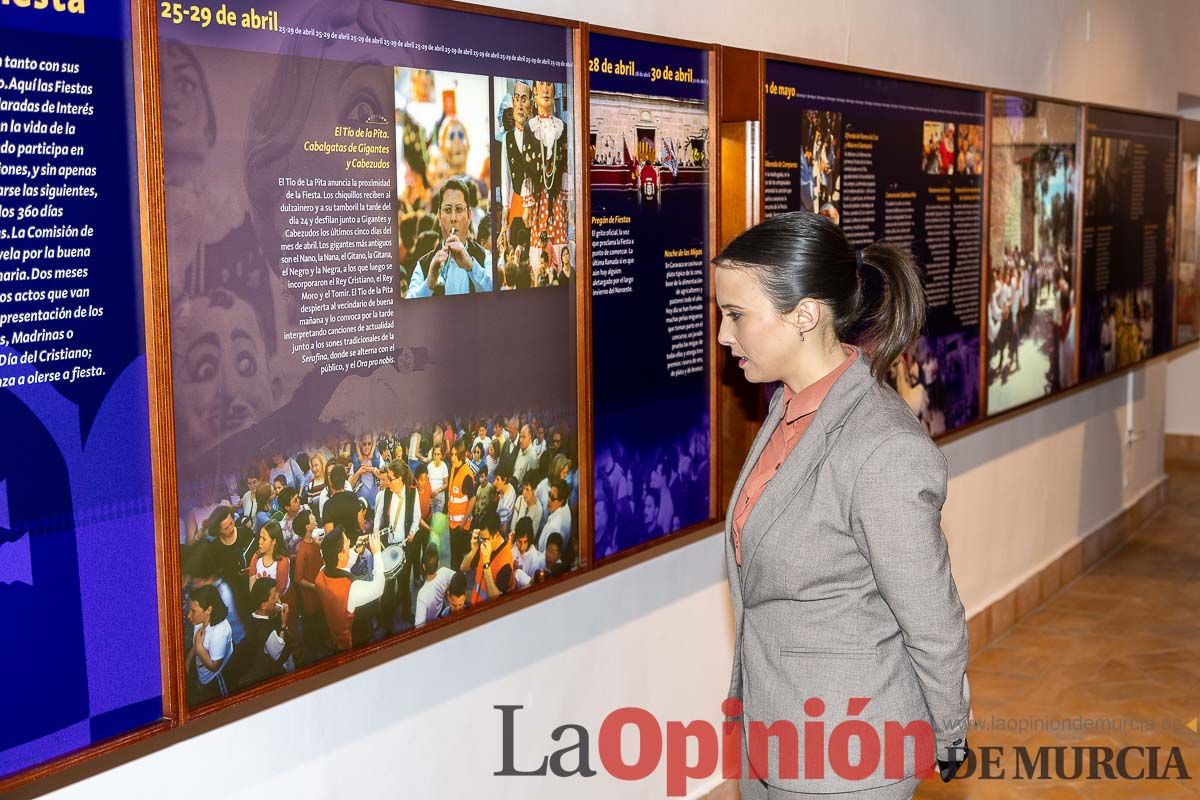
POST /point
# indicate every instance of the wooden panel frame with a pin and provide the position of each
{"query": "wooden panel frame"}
(339, 665)
(740, 100)
(689, 533)
(1076, 255)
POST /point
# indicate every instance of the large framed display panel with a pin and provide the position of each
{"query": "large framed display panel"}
(1030, 319)
(82, 611)
(900, 159)
(1128, 241)
(1187, 308)
(357, 344)
(653, 195)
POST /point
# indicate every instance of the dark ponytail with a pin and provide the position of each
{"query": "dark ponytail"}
(800, 254)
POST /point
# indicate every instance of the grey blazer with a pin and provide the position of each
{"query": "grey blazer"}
(845, 590)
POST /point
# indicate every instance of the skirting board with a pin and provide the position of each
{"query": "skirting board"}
(1182, 447)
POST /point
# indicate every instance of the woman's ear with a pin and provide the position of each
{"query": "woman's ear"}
(805, 316)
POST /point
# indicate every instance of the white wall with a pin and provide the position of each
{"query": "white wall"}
(1183, 394)
(658, 635)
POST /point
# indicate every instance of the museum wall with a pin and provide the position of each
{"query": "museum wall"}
(658, 635)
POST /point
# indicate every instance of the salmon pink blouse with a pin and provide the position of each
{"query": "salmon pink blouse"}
(798, 411)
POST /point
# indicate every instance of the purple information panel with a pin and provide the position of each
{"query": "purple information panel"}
(901, 161)
(78, 585)
(371, 249)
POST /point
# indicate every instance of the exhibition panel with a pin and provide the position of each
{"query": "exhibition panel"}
(652, 182)
(78, 577)
(1030, 297)
(371, 254)
(1187, 310)
(1129, 185)
(900, 160)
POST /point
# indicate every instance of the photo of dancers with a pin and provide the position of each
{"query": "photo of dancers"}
(1031, 308)
(531, 163)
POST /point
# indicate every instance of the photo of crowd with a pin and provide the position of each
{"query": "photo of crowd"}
(532, 166)
(354, 540)
(1031, 306)
(444, 183)
(939, 148)
(821, 163)
(1126, 327)
(646, 492)
(938, 379)
(970, 150)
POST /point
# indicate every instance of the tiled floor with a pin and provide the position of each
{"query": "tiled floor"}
(1115, 650)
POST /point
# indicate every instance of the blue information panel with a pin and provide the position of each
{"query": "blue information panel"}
(1128, 239)
(81, 660)
(650, 168)
(901, 161)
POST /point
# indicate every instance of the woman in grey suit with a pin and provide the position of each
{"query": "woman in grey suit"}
(850, 643)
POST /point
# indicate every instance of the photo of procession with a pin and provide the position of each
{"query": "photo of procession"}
(1031, 307)
(648, 145)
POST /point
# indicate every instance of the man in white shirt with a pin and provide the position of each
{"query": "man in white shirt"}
(506, 498)
(527, 455)
(539, 443)
(528, 506)
(289, 503)
(431, 598)
(482, 439)
(559, 519)
(340, 594)
(526, 558)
